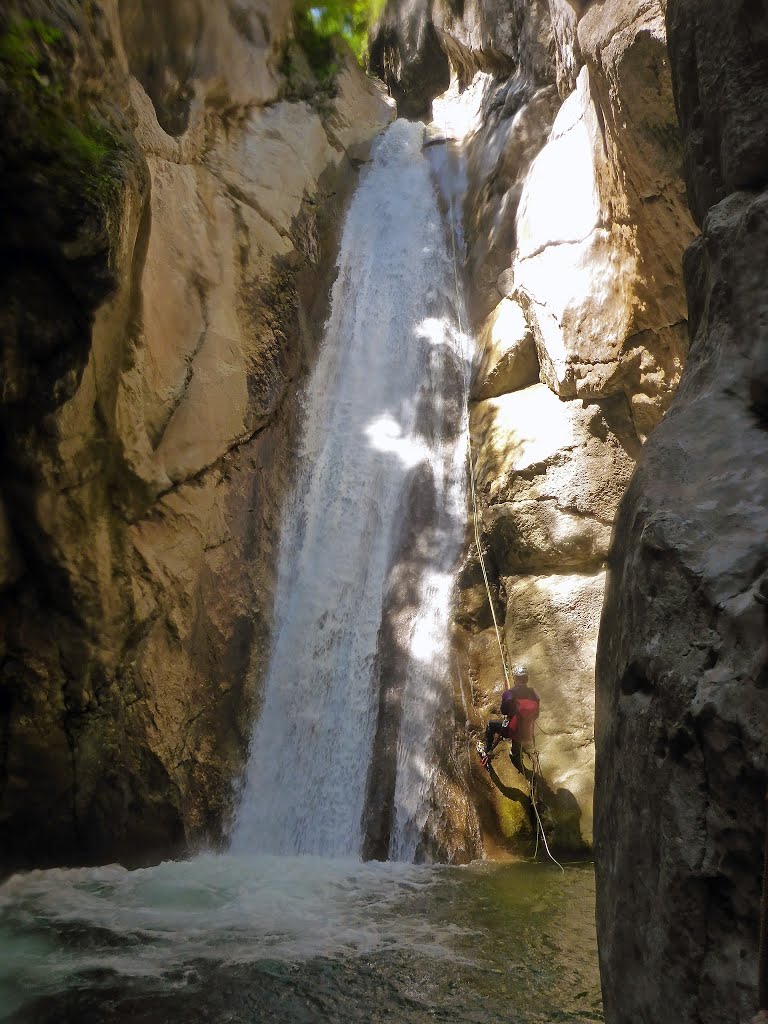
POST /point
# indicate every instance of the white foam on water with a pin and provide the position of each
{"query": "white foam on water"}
(237, 910)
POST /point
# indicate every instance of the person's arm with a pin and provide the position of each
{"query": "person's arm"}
(506, 703)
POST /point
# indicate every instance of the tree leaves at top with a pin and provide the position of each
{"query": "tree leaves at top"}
(350, 19)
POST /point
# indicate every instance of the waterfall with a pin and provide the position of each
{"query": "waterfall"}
(371, 533)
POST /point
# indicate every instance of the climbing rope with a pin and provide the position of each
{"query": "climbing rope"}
(535, 773)
(472, 477)
(535, 769)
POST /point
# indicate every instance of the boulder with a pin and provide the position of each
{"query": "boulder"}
(507, 353)
(533, 446)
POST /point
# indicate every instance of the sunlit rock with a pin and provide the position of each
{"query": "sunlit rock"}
(568, 270)
(552, 626)
(601, 325)
(508, 359)
(533, 445)
(550, 474)
(515, 127)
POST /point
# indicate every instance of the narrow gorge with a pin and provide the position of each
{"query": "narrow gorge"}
(262, 297)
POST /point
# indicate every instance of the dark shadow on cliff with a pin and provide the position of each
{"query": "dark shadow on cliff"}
(558, 809)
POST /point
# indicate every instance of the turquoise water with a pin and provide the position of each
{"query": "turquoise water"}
(301, 939)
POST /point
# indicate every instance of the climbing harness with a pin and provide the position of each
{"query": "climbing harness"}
(535, 770)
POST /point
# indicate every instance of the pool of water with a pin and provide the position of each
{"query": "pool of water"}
(238, 940)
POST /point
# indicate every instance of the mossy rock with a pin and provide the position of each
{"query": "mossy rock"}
(75, 150)
(514, 820)
(70, 166)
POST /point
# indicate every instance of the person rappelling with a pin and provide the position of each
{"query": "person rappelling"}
(519, 709)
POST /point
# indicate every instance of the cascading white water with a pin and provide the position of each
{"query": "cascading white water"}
(382, 412)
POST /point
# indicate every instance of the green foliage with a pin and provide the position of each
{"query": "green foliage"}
(17, 46)
(74, 149)
(319, 23)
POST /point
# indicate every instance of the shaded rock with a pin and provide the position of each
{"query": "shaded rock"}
(11, 563)
(415, 40)
(721, 91)
(405, 52)
(180, 51)
(565, 16)
(682, 699)
(535, 535)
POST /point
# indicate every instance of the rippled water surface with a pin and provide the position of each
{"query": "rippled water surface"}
(245, 940)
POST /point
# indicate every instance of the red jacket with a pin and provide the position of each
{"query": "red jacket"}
(521, 706)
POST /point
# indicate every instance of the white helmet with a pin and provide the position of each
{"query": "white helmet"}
(519, 671)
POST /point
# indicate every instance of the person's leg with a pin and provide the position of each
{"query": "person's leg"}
(493, 729)
(516, 755)
(516, 751)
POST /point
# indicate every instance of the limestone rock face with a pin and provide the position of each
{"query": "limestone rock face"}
(160, 315)
(577, 212)
(407, 55)
(575, 225)
(551, 474)
(508, 359)
(418, 42)
(682, 703)
(599, 247)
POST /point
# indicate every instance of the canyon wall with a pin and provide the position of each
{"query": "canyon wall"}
(576, 221)
(682, 681)
(173, 181)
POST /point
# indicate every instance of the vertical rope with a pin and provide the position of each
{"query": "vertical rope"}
(535, 760)
(472, 477)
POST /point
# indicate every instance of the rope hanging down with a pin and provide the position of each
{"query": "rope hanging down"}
(472, 478)
(535, 769)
